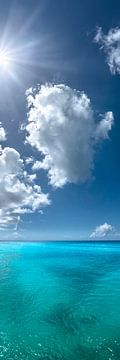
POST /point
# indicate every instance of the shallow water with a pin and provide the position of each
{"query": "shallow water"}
(60, 301)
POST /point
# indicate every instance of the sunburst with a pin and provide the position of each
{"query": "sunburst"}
(5, 60)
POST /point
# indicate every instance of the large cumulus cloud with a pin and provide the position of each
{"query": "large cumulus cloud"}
(62, 126)
(18, 192)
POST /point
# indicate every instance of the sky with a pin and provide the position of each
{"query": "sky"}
(59, 120)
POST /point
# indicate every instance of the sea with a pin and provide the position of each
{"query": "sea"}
(60, 300)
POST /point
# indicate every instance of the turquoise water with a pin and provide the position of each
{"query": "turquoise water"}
(60, 301)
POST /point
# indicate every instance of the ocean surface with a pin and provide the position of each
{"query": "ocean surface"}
(60, 301)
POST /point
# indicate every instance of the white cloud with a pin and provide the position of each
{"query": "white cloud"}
(110, 44)
(101, 231)
(18, 192)
(29, 160)
(37, 165)
(2, 133)
(105, 126)
(62, 126)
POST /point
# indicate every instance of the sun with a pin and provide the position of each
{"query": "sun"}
(4, 60)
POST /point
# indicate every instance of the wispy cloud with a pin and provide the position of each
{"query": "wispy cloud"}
(110, 44)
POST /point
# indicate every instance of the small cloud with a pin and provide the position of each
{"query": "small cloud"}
(2, 133)
(41, 212)
(29, 160)
(101, 231)
(110, 44)
(37, 165)
(105, 126)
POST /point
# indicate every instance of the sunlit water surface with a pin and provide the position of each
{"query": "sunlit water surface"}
(60, 301)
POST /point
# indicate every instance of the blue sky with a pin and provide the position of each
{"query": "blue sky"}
(60, 120)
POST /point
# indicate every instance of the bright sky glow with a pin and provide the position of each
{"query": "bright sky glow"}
(4, 60)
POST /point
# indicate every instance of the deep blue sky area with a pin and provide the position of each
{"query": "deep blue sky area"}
(53, 42)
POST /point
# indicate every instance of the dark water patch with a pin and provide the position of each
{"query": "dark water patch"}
(62, 317)
(83, 277)
(80, 280)
(89, 321)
